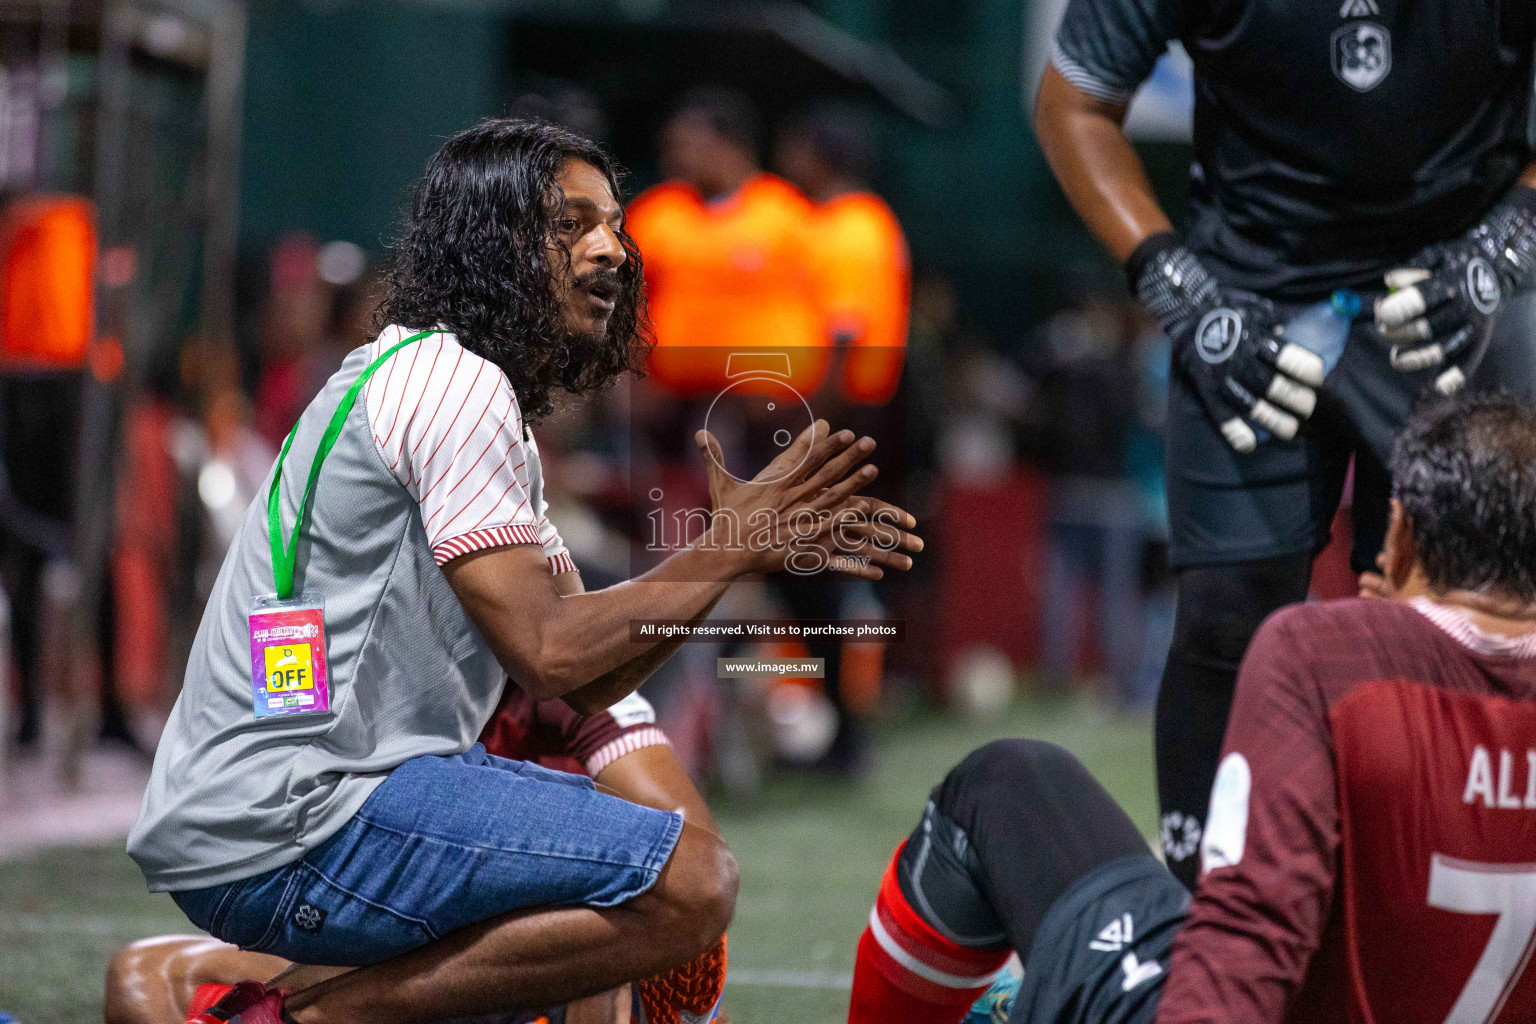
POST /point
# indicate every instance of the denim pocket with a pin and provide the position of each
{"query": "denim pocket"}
(205, 906)
(246, 913)
(319, 922)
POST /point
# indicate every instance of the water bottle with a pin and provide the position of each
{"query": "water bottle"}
(1322, 329)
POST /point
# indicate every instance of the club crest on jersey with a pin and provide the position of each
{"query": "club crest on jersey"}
(1217, 336)
(1362, 55)
(1483, 285)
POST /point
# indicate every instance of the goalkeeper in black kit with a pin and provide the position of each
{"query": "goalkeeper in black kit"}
(1374, 145)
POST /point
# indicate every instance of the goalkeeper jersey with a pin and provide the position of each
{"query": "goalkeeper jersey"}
(1332, 138)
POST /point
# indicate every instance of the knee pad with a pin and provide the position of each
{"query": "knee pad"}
(1028, 819)
(939, 874)
(940, 870)
(1004, 777)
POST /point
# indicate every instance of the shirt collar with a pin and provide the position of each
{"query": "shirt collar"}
(1458, 625)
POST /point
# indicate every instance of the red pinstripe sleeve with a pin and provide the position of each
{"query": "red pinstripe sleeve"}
(522, 729)
(554, 548)
(448, 426)
(601, 739)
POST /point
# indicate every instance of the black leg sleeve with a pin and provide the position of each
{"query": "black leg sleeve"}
(1005, 835)
(1219, 609)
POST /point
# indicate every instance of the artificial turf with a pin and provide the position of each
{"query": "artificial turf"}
(811, 855)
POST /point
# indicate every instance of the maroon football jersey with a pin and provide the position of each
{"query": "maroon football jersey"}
(1370, 852)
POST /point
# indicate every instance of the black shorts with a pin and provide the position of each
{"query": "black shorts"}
(1101, 954)
(1280, 499)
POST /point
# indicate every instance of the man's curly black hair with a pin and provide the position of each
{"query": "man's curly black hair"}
(1465, 470)
(479, 256)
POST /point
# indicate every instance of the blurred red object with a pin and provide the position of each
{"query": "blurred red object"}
(991, 548)
(1332, 576)
(144, 554)
(47, 274)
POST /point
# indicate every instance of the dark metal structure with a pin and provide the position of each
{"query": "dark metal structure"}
(135, 104)
(781, 54)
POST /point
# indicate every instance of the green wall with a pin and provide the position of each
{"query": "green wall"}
(345, 103)
(346, 99)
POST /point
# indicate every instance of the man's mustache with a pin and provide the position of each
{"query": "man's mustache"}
(602, 280)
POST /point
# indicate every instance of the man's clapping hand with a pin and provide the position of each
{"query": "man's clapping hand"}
(803, 512)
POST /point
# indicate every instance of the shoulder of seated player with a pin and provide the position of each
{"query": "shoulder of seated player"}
(1352, 635)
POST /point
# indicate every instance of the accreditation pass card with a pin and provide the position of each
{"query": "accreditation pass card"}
(288, 675)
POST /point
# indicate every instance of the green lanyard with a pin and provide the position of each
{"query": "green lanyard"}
(283, 558)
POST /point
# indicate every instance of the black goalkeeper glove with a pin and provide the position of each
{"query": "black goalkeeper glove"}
(1227, 344)
(1442, 303)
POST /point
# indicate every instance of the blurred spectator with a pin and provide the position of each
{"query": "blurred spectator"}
(857, 253)
(47, 262)
(861, 272)
(231, 461)
(1084, 413)
(355, 294)
(724, 248)
(1144, 466)
(219, 453)
(737, 259)
(292, 326)
(145, 559)
(988, 398)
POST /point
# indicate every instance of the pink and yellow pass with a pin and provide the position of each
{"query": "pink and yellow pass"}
(288, 659)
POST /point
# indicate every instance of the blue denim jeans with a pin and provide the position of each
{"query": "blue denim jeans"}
(443, 842)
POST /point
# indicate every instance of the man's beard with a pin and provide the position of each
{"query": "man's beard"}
(582, 343)
(602, 281)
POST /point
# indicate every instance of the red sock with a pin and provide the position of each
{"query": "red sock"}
(906, 971)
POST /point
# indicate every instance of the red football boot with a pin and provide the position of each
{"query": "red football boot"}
(689, 994)
(249, 1002)
(205, 996)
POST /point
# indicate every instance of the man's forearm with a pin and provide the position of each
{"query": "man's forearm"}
(612, 687)
(1096, 165)
(654, 777)
(586, 637)
(551, 639)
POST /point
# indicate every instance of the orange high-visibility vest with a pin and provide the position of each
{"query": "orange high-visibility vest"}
(47, 275)
(728, 276)
(864, 287)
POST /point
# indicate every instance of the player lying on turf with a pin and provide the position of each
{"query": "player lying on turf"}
(316, 793)
(1371, 853)
(163, 980)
